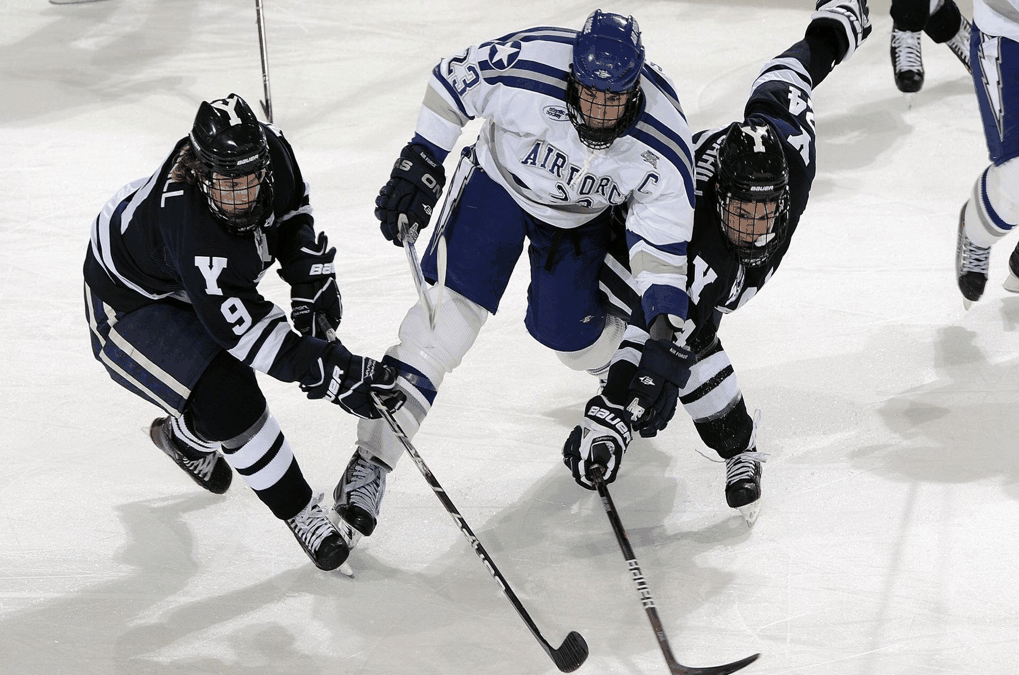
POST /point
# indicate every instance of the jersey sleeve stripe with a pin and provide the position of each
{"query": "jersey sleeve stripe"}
(440, 106)
(261, 343)
(635, 242)
(786, 70)
(660, 83)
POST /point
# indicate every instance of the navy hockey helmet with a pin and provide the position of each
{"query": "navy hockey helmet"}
(603, 95)
(752, 191)
(236, 176)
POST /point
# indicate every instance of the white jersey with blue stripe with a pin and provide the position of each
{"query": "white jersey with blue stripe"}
(997, 17)
(527, 144)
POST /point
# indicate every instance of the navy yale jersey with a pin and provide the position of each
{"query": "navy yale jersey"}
(156, 239)
(527, 144)
(718, 283)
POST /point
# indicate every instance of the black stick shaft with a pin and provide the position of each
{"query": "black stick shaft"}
(263, 46)
(648, 602)
(573, 651)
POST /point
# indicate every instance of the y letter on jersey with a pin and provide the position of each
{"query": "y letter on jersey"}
(211, 267)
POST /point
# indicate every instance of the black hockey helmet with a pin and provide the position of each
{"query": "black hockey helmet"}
(236, 176)
(752, 191)
(607, 57)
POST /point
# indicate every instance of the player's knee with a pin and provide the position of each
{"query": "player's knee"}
(597, 355)
(435, 352)
(730, 433)
(226, 402)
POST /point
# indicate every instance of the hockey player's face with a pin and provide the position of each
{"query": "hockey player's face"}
(601, 109)
(748, 224)
(234, 196)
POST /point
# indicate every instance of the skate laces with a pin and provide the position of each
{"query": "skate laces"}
(174, 435)
(974, 258)
(365, 486)
(203, 466)
(959, 44)
(311, 525)
(907, 50)
(742, 466)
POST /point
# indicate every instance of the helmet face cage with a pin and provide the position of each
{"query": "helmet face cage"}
(752, 193)
(603, 96)
(236, 176)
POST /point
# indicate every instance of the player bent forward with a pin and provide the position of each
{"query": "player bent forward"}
(753, 180)
(575, 122)
(176, 318)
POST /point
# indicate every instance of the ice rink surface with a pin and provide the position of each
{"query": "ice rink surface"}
(886, 544)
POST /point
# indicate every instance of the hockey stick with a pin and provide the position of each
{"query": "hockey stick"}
(648, 602)
(409, 235)
(573, 651)
(263, 47)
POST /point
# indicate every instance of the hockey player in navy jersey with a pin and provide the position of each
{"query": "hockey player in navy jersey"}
(575, 122)
(753, 178)
(176, 317)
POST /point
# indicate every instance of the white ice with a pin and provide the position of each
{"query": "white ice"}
(886, 544)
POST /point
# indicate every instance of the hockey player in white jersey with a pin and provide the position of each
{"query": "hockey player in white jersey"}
(753, 180)
(575, 122)
(176, 318)
(992, 210)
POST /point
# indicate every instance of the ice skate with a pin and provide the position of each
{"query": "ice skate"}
(743, 484)
(1012, 282)
(358, 498)
(959, 44)
(319, 537)
(907, 63)
(208, 469)
(971, 262)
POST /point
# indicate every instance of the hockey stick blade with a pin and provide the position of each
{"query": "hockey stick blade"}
(644, 592)
(573, 651)
(677, 669)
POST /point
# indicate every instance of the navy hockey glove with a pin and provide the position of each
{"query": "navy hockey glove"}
(599, 441)
(654, 391)
(313, 289)
(414, 187)
(349, 380)
(848, 19)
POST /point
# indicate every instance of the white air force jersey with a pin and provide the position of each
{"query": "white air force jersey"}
(528, 145)
(997, 17)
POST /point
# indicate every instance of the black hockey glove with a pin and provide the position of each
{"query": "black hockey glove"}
(654, 391)
(313, 289)
(413, 189)
(349, 380)
(599, 441)
(848, 19)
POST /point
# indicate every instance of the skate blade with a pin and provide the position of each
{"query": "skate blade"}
(909, 100)
(1011, 284)
(966, 304)
(750, 512)
(346, 569)
(349, 534)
